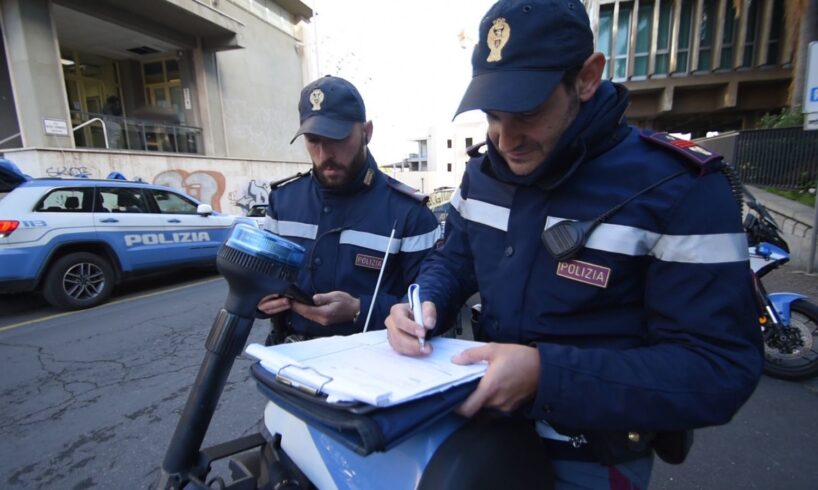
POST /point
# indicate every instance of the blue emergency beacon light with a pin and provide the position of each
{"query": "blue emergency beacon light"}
(255, 263)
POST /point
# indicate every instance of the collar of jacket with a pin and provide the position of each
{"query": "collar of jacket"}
(600, 125)
(360, 183)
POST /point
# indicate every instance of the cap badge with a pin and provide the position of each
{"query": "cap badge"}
(316, 97)
(497, 38)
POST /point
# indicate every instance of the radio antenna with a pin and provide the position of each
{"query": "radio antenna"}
(380, 276)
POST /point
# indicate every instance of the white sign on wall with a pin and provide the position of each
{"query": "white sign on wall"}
(186, 93)
(57, 127)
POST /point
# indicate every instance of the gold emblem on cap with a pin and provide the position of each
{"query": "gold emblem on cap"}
(497, 39)
(316, 97)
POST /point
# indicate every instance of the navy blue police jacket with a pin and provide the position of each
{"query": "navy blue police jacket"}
(653, 325)
(345, 233)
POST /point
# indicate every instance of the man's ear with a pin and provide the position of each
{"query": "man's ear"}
(590, 76)
(368, 131)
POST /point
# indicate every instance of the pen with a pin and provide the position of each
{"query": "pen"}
(417, 310)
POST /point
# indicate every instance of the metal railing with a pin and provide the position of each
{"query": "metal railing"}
(102, 125)
(126, 133)
(9, 138)
(785, 158)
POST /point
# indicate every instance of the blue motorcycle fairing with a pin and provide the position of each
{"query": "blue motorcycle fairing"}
(781, 302)
(770, 251)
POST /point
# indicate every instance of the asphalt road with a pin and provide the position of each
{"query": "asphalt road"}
(91, 398)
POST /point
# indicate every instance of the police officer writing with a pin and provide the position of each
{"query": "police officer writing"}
(611, 263)
(343, 213)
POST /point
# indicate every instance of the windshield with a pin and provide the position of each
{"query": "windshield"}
(257, 212)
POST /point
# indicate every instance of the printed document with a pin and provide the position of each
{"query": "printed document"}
(364, 367)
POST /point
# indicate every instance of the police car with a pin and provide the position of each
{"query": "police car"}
(259, 213)
(73, 239)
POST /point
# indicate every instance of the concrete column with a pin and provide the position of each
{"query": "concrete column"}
(674, 36)
(718, 34)
(764, 36)
(632, 41)
(614, 35)
(697, 32)
(205, 67)
(35, 72)
(654, 36)
(741, 34)
(592, 7)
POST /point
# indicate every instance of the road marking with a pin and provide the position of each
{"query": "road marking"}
(111, 303)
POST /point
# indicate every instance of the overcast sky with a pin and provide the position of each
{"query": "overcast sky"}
(407, 59)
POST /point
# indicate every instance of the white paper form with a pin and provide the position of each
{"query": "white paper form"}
(363, 367)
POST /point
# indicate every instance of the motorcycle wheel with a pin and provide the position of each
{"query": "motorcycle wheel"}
(802, 362)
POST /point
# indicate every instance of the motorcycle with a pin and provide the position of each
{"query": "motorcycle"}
(789, 322)
(293, 451)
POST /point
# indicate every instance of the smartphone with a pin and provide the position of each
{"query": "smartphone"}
(296, 294)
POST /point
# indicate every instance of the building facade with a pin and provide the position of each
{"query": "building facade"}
(198, 94)
(695, 66)
(441, 157)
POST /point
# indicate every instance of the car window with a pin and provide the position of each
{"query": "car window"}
(257, 212)
(123, 200)
(66, 200)
(172, 203)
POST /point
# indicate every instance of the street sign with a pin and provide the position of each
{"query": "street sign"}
(57, 127)
(811, 85)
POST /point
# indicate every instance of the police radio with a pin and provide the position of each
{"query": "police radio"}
(565, 239)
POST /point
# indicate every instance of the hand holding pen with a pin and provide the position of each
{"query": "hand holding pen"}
(417, 312)
(405, 325)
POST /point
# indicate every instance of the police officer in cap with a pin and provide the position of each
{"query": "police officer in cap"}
(611, 263)
(343, 212)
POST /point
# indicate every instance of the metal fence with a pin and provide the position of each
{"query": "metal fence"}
(785, 158)
(137, 134)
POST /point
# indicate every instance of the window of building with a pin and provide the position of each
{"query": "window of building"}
(644, 25)
(448, 167)
(776, 28)
(753, 26)
(604, 40)
(163, 86)
(707, 32)
(469, 142)
(727, 37)
(685, 36)
(448, 143)
(663, 38)
(623, 39)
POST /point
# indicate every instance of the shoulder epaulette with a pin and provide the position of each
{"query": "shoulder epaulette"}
(474, 150)
(406, 189)
(700, 158)
(287, 180)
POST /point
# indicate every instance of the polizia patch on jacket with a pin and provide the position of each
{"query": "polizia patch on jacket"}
(584, 272)
(368, 261)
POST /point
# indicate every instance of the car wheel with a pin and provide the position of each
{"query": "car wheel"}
(78, 280)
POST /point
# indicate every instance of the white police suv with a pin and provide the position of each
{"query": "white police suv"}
(73, 239)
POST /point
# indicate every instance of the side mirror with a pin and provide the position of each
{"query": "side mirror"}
(204, 210)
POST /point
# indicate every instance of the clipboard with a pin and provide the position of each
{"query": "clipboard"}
(360, 427)
(364, 368)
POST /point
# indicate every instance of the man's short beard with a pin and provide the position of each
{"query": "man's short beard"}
(358, 162)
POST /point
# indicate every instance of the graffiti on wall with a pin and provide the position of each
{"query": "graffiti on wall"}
(69, 171)
(254, 192)
(204, 185)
